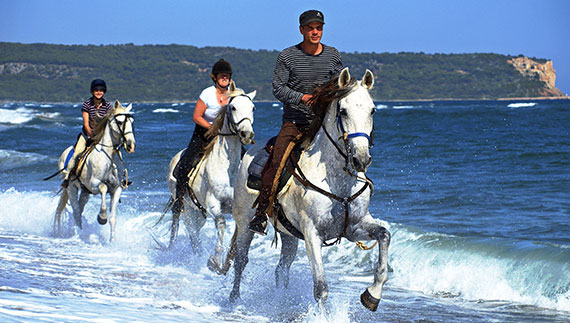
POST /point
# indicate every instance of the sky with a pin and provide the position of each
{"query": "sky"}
(534, 28)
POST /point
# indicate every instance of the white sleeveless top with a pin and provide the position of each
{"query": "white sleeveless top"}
(208, 96)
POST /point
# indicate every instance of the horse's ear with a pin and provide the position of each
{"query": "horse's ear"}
(128, 109)
(117, 104)
(251, 95)
(344, 78)
(368, 79)
(232, 86)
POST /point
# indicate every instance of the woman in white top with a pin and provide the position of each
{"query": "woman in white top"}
(210, 102)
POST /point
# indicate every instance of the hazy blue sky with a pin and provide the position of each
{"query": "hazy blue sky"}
(538, 28)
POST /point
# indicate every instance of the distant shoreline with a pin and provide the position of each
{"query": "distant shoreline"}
(541, 98)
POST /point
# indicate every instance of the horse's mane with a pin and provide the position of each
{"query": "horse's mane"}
(323, 96)
(215, 129)
(101, 124)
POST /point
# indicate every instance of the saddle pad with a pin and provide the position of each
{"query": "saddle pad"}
(68, 158)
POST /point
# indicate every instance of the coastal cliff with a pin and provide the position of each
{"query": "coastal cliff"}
(543, 72)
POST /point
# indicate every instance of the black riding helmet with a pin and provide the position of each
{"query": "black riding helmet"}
(222, 66)
(98, 84)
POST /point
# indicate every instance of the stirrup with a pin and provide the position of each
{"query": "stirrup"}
(258, 224)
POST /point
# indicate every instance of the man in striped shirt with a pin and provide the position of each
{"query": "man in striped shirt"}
(299, 69)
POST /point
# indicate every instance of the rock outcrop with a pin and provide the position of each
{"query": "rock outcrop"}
(535, 70)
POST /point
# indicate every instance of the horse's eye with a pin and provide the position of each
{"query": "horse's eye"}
(343, 112)
(233, 108)
(373, 110)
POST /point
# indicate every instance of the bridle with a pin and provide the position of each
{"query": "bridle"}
(124, 133)
(296, 171)
(232, 125)
(345, 136)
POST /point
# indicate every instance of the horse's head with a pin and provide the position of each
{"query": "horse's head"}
(121, 124)
(240, 114)
(354, 118)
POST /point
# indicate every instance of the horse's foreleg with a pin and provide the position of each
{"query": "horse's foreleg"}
(102, 216)
(115, 196)
(313, 245)
(372, 295)
(194, 221)
(289, 246)
(216, 211)
(243, 241)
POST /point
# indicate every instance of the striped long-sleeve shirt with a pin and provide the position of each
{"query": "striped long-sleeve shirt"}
(94, 114)
(297, 73)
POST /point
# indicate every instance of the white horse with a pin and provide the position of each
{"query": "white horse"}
(328, 195)
(98, 172)
(212, 180)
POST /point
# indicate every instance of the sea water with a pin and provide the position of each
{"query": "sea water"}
(476, 195)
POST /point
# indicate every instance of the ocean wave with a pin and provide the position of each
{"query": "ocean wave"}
(10, 159)
(481, 269)
(163, 110)
(381, 106)
(522, 105)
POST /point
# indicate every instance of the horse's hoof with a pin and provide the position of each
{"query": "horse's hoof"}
(213, 265)
(101, 220)
(234, 297)
(369, 301)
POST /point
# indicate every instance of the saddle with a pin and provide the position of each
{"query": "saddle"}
(260, 163)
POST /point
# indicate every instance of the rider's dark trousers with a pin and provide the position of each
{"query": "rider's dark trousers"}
(287, 134)
(191, 155)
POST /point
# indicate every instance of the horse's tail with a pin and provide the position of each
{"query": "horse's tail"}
(165, 210)
(230, 256)
(60, 208)
(174, 227)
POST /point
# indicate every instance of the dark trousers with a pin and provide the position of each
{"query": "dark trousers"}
(189, 159)
(287, 134)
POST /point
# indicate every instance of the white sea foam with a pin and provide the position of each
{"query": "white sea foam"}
(18, 116)
(522, 105)
(276, 105)
(163, 110)
(446, 265)
(29, 212)
(404, 107)
(381, 106)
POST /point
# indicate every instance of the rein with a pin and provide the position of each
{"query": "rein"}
(300, 176)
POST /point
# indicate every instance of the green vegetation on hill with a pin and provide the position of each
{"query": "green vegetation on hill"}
(61, 73)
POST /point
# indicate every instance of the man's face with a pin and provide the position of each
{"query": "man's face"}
(312, 32)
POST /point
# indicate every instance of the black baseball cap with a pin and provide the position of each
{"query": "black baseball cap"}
(311, 16)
